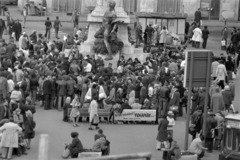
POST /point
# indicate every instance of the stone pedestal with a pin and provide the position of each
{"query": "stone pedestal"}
(113, 61)
(95, 21)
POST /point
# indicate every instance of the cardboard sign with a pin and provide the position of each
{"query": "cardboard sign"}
(136, 115)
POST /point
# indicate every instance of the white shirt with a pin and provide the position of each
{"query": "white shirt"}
(88, 68)
(10, 85)
(182, 64)
(119, 69)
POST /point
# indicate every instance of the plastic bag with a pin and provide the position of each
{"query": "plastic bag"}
(223, 43)
(95, 120)
(233, 75)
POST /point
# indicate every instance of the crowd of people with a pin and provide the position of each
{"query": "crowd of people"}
(58, 76)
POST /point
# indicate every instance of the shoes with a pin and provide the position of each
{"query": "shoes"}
(97, 127)
(77, 125)
(90, 129)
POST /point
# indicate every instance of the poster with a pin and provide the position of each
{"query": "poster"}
(136, 115)
(172, 25)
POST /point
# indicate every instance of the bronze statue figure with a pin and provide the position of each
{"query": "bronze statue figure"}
(106, 37)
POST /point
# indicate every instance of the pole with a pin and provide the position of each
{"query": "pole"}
(43, 147)
(206, 94)
(129, 7)
(189, 99)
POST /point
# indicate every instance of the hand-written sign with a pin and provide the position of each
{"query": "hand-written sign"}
(136, 115)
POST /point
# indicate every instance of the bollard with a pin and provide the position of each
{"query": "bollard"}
(43, 147)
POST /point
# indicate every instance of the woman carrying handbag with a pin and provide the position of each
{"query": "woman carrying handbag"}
(93, 113)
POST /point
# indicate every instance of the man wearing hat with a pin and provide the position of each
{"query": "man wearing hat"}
(211, 124)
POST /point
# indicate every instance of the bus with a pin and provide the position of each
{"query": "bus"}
(230, 149)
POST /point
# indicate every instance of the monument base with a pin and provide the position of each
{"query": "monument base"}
(113, 61)
(86, 49)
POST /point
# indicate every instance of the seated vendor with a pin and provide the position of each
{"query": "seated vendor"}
(136, 105)
(100, 145)
(197, 147)
(171, 149)
(74, 148)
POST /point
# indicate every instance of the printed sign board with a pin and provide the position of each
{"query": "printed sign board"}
(136, 115)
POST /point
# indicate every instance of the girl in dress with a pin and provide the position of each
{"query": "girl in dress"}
(75, 113)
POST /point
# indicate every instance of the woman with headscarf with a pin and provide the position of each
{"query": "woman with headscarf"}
(73, 149)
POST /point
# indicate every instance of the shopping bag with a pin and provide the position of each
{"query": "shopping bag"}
(233, 75)
(201, 23)
(13, 34)
(223, 43)
(95, 120)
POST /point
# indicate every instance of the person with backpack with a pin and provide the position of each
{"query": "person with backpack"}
(2, 27)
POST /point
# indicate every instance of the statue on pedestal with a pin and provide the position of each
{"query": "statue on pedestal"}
(107, 42)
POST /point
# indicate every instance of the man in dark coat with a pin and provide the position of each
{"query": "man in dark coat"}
(149, 31)
(196, 120)
(211, 123)
(47, 90)
(61, 91)
(162, 131)
(17, 29)
(234, 40)
(198, 17)
(143, 93)
(205, 34)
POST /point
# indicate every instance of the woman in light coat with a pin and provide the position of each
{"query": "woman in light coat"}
(131, 96)
(93, 111)
(197, 37)
(221, 73)
(9, 139)
(163, 35)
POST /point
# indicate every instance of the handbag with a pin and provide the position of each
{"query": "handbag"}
(95, 120)
(233, 75)
(32, 134)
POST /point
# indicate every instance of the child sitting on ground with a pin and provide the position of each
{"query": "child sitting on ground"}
(75, 113)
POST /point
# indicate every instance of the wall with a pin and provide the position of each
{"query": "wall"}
(36, 2)
(229, 10)
(146, 5)
(190, 7)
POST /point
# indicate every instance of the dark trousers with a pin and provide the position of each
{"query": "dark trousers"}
(204, 43)
(1, 32)
(197, 44)
(221, 84)
(209, 143)
(48, 33)
(56, 32)
(167, 155)
(47, 101)
(163, 106)
(17, 36)
(235, 45)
